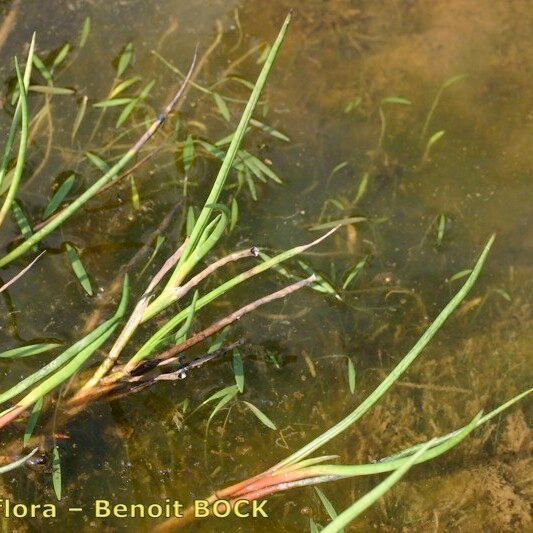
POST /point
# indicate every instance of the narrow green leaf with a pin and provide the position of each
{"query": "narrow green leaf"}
(238, 370)
(372, 496)
(30, 349)
(126, 112)
(441, 228)
(135, 198)
(264, 54)
(41, 67)
(182, 333)
(98, 162)
(261, 416)
(503, 294)
(353, 104)
(355, 271)
(398, 370)
(56, 472)
(221, 337)
(59, 196)
(159, 241)
(222, 106)
(46, 89)
(79, 270)
(124, 85)
(340, 222)
(269, 129)
(60, 57)
(85, 30)
(234, 214)
(351, 375)
(313, 528)
(79, 116)
(361, 190)
(32, 421)
(114, 102)
(125, 59)
(22, 221)
(225, 399)
(396, 100)
(461, 274)
(191, 219)
(188, 153)
(327, 505)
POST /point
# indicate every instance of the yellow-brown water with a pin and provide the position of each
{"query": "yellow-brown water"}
(477, 179)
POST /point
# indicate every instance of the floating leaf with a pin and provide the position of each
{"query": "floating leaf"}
(238, 370)
(261, 416)
(222, 106)
(56, 472)
(32, 420)
(30, 349)
(59, 196)
(79, 270)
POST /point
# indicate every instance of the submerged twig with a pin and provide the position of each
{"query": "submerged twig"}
(21, 273)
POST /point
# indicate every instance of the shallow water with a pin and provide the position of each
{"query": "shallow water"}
(476, 180)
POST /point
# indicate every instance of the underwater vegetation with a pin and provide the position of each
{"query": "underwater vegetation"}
(151, 337)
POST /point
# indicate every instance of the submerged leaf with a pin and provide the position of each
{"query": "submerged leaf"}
(222, 106)
(125, 59)
(351, 376)
(56, 472)
(32, 420)
(59, 196)
(261, 416)
(79, 270)
(238, 370)
(79, 116)
(85, 30)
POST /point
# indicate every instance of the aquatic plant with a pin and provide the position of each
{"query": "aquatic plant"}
(158, 358)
